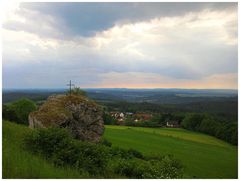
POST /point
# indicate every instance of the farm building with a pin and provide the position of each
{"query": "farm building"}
(172, 124)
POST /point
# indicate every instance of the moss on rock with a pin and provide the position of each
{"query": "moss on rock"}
(82, 116)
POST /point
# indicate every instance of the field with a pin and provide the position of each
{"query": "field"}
(202, 155)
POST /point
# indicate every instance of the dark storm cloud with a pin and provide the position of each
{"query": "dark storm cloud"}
(107, 44)
(86, 19)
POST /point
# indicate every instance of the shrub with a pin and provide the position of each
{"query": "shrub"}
(125, 154)
(48, 141)
(167, 167)
(108, 119)
(57, 145)
(106, 142)
(20, 110)
(8, 113)
(135, 153)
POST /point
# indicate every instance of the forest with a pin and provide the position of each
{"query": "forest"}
(213, 112)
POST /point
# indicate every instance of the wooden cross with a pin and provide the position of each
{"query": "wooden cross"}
(70, 86)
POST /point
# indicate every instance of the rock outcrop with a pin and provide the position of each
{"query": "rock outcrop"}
(78, 114)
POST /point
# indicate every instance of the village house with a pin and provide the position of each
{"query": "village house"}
(142, 117)
(119, 116)
(172, 124)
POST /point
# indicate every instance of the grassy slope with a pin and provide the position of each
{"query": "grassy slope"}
(17, 163)
(203, 156)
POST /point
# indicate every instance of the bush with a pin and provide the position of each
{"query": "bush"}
(135, 153)
(106, 142)
(108, 119)
(47, 141)
(56, 145)
(167, 167)
(125, 154)
(119, 152)
(8, 113)
(18, 111)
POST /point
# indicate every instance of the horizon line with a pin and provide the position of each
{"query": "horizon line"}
(125, 88)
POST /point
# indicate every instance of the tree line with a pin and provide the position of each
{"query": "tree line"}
(225, 130)
(200, 122)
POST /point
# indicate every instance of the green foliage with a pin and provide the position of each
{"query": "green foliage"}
(135, 153)
(8, 113)
(18, 163)
(199, 153)
(106, 142)
(18, 111)
(124, 153)
(224, 108)
(167, 167)
(205, 123)
(77, 91)
(159, 119)
(228, 132)
(208, 125)
(57, 145)
(47, 141)
(108, 120)
(192, 121)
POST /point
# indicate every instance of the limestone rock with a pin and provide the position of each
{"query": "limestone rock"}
(76, 113)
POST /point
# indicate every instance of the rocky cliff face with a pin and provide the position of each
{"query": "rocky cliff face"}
(76, 113)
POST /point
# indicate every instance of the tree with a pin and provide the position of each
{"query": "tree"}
(234, 136)
(192, 121)
(108, 120)
(8, 113)
(21, 109)
(208, 125)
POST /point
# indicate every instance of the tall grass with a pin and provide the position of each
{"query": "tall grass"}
(18, 163)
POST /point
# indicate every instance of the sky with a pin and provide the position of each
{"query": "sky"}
(120, 45)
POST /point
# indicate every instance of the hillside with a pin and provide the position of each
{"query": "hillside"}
(203, 156)
(18, 163)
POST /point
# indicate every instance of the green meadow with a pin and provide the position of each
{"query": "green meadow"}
(18, 163)
(203, 156)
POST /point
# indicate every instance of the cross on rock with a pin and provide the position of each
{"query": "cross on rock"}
(70, 86)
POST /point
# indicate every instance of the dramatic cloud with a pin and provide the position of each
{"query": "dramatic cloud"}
(188, 45)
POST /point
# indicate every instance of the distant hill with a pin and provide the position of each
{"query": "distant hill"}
(158, 96)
